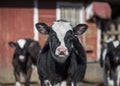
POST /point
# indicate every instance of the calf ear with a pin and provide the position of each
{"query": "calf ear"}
(12, 44)
(80, 29)
(42, 28)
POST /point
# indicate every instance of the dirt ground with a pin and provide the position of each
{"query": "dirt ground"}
(36, 84)
(93, 76)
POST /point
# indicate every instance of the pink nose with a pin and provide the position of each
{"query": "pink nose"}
(62, 49)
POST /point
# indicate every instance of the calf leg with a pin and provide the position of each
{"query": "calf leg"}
(46, 83)
(115, 78)
(73, 84)
(69, 80)
(64, 83)
(105, 76)
(17, 78)
(118, 77)
(28, 76)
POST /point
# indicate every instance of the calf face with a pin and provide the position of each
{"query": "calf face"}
(21, 49)
(61, 36)
(25, 54)
(25, 48)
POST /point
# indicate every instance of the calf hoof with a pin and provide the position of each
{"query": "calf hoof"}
(47, 83)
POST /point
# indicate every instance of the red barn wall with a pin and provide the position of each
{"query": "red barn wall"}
(47, 14)
(91, 41)
(15, 23)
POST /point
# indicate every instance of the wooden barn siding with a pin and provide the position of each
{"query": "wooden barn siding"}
(15, 23)
(47, 14)
(91, 41)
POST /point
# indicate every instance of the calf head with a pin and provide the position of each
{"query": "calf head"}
(61, 35)
(21, 49)
(114, 51)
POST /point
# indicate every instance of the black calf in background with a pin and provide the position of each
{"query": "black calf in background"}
(25, 55)
(110, 61)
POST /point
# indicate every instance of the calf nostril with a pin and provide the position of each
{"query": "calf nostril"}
(62, 53)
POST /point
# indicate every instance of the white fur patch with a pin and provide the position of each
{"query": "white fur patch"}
(21, 43)
(110, 82)
(89, 12)
(21, 57)
(33, 66)
(109, 40)
(104, 54)
(63, 83)
(61, 28)
(116, 43)
(47, 81)
(72, 84)
(17, 84)
(118, 76)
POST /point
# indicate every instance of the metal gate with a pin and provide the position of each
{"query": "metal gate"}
(113, 32)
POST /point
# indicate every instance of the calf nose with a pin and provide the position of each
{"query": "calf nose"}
(62, 50)
(21, 57)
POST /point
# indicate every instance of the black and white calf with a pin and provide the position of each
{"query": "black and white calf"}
(62, 61)
(25, 55)
(110, 62)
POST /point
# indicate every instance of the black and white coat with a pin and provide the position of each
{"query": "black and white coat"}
(110, 61)
(24, 57)
(62, 61)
